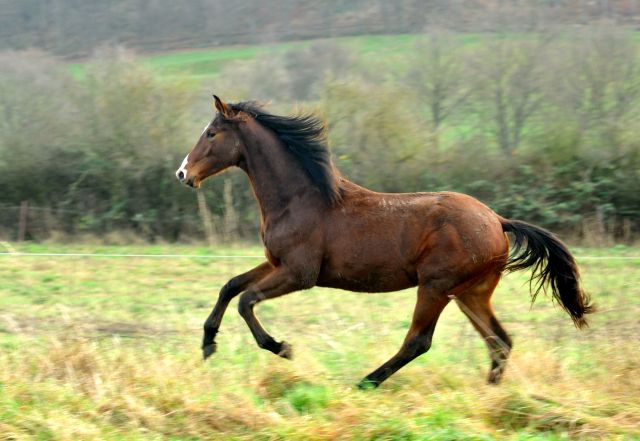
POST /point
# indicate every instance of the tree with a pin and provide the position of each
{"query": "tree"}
(599, 78)
(438, 76)
(508, 87)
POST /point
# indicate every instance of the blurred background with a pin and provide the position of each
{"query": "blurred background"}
(529, 105)
(109, 267)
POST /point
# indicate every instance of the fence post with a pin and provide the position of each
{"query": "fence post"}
(206, 217)
(230, 220)
(600, 230)
(22, 223)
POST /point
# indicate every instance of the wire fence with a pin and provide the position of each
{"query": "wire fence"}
(41, 223)
(178, 256)
(322, 325)
(218, 256)
(33, 222)
(336, 328)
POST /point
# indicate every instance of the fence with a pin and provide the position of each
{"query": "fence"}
(40, 223)
(378, 325)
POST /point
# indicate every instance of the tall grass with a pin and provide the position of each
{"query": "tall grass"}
(109, 349)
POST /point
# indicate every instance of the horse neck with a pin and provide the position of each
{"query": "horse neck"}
(276, 176)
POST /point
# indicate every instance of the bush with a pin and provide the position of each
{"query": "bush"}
(543, 129)
(103, 147)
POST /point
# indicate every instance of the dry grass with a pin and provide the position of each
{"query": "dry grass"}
(108, 349)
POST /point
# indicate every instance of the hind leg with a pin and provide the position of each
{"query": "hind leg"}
(430, 304)
(475, 303)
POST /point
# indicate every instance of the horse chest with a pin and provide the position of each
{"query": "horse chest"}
(281, 238)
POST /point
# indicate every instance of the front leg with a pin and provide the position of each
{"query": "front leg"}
(231, 289)
(280, 282)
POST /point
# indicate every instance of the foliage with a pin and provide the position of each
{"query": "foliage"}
(102, 148)
(539, 127)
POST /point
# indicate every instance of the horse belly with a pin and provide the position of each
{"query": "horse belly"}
(372, 251)
(365, 276)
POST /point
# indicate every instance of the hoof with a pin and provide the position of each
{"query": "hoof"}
(368, 385)
(495, 376)
(286, 351)
(208, 350)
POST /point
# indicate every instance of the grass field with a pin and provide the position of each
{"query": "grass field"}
(202, 64)
(108, 348)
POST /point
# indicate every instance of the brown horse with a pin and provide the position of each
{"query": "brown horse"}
(321, 230)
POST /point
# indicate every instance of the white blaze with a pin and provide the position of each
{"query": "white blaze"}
(182, 166)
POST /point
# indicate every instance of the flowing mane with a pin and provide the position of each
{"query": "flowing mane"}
(305, 134)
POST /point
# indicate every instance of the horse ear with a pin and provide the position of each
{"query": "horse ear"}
(223, 108)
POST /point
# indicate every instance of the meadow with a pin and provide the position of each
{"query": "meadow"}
(108, 348)
(206, 64)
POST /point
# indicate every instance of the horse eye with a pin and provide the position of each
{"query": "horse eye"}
(210, 135)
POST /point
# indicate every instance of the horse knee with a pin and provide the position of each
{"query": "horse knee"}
(245, 304)
(225, 291)
(417, 346)
(230, 289)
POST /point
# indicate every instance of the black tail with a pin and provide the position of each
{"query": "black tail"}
(553, 266)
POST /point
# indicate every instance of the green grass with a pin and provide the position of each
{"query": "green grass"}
(197, 64)
(202, 64)
(186, 65)
(96, 347)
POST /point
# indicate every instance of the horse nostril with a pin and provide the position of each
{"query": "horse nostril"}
(181, 175)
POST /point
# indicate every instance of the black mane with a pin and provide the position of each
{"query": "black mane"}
(306, 137)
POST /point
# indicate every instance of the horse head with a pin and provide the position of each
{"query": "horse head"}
(217, 149)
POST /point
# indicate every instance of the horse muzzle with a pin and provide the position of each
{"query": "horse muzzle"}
(192, 182)
(182, 177)
(181, 173)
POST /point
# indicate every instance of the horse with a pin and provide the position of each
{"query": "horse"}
(319, 229)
